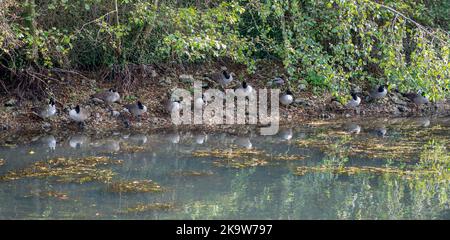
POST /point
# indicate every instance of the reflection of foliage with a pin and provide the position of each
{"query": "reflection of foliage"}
(435, 157)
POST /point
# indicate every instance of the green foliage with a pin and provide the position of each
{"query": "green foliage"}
(328, 45)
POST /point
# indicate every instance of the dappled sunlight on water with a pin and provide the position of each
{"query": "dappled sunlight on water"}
(383, 169)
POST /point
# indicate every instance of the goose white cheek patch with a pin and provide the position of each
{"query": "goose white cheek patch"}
(227, 108)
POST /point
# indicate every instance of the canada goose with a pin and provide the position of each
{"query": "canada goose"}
(418, 98)
(287, 98)
(223, 77)
(109, 97)
(46, 111)
(277, 82)
(79, 115)
(378, 92)
(243, 91)
(354, 102)
(199, 103)
(136, 109)
(172, 105)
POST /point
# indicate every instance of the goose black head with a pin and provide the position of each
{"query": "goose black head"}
(244, 84)
(381, 88)
(77, 109)
(225, 74)
(51, 102)
(112, 90)
(354, 96)
(140, 106)
(288, 92)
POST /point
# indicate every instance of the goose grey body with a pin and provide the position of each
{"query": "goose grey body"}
(136, 109)
(110, 96)
(223, 77)
(378, 92)
(46, 111)
(244, 90)
(277, 82)
(287, 98)
(172, 106)
(79, 114)
(417, 98)
(354, 102)
(199, 103)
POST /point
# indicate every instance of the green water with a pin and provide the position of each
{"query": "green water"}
(224, 176)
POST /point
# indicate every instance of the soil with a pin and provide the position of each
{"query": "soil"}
(150, 84)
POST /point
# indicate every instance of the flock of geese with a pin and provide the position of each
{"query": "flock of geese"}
(380, 92)
(223, 78)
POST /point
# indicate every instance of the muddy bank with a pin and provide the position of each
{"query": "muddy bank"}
(152, 84)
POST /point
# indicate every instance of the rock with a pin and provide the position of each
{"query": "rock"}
(165, 81)
(335, 106)
(154, 74)
(185, 78)
(326, 115)
(302, 87)
(397, 99)
(402, 109)
(303, 102)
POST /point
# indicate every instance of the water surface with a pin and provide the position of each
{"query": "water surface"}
(378, 169)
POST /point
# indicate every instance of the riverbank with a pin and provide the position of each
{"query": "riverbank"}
(150, 84)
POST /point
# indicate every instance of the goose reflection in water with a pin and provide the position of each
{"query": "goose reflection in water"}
(47, 141)
(78, 141)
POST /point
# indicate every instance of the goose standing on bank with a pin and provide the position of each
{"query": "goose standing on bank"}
(109, 97)
(378, 92)
(223, 77)
(136, 109)
(287, 98)
(418, 98)
(276, 82)
(354, 102)
(46, 111)
(79, 115)
(172, 105)
(244, 90)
